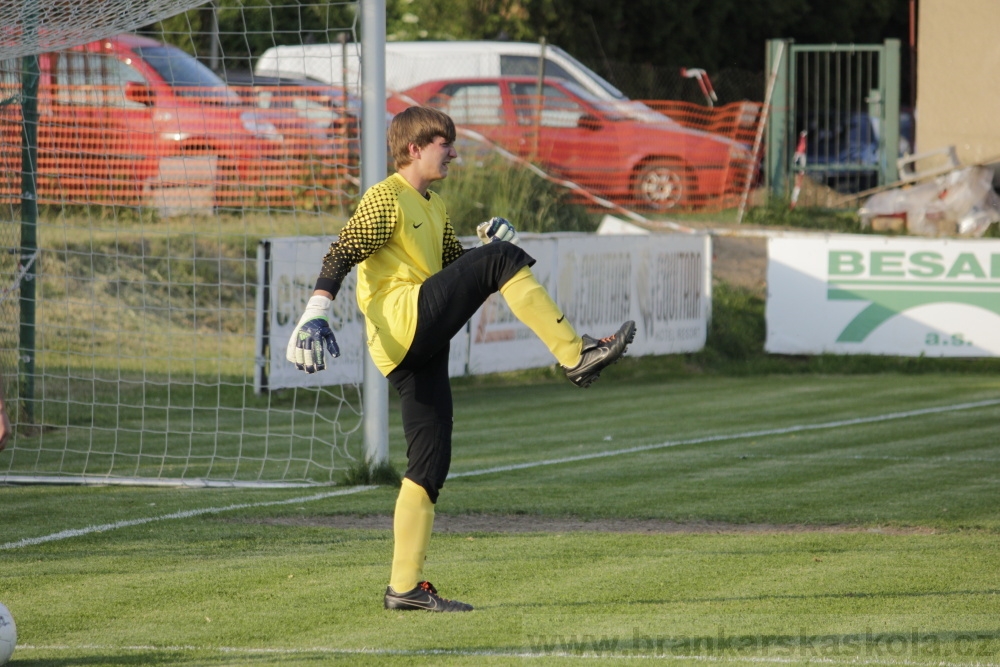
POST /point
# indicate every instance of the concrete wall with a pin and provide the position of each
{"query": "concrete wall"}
(958, 68)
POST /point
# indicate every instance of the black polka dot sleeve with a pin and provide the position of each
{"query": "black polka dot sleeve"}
(368, 230)
(452, 249)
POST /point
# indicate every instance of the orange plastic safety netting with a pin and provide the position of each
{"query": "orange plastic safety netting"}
(105, 145)
(297, 146)
(654, 156)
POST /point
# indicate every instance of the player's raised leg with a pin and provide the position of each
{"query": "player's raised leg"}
(598, 354)
(532, 305)
(581, 357)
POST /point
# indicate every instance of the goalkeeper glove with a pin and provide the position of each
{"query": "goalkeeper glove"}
(497, 229)
(311, 335)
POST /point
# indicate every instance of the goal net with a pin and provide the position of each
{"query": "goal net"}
(162, 164)
(30, 27)
(173, 145)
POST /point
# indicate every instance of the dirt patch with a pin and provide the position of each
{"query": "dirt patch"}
(739, 253)
(521, 523)
(740, 261)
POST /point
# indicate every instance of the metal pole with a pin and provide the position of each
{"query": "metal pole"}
(913, 56)
(29, 242)
(373, 170)
(345, 128)
(889, 77)
(778, 53)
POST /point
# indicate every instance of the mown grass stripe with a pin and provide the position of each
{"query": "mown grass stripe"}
(798, 428)
(185, 514)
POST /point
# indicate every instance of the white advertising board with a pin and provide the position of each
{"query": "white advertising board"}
(853, 294)
(498, 341)
(293, 266)
(663, 282)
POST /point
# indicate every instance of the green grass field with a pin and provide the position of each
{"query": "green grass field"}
(777, 519)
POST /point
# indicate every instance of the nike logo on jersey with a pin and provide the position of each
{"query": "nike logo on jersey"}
(559, 321)
(415, 225)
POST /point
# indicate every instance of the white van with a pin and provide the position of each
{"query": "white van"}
(408, 64)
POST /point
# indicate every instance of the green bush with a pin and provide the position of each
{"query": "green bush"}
(736, 332)
(777, 213)
(478, 189)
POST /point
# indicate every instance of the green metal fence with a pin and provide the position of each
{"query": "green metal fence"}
(835, 115)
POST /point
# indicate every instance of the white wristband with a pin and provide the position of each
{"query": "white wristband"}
(319, 302)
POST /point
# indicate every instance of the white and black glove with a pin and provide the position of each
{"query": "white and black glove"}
(311, 335)
(497, 229)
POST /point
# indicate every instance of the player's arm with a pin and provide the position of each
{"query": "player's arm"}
(452, 248)
(367, 231)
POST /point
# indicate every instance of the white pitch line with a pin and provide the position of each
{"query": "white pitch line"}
(862, 457)
(79, 532)
(731, 436)
(185, 514)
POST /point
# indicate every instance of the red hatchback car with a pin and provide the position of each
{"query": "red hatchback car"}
(113, 112)
(623, 152)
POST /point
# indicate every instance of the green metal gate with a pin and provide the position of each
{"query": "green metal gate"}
(845, 99)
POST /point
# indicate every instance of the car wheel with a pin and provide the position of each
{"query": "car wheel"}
(662, 185)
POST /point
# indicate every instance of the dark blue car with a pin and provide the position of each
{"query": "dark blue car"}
(843, 153)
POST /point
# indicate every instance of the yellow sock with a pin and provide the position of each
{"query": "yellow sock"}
(531, 303)
(412, 525)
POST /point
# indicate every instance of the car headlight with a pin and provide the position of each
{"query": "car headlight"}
(254, 124)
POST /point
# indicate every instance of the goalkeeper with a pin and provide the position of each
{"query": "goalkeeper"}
(417, 287)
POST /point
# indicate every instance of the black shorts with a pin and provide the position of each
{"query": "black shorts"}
(447, 300)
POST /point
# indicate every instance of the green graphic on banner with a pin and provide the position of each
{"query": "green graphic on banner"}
(887, 302)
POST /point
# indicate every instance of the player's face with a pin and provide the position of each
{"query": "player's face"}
(434, 159)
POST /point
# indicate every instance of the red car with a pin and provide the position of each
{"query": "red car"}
(298, 105)
(623, 152)
(113, 112)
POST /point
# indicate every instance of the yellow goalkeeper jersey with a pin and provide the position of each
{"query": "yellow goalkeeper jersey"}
(398, 239)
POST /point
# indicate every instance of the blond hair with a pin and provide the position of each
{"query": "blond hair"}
(420, 126)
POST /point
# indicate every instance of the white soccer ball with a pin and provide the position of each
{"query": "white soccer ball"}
(8, 635)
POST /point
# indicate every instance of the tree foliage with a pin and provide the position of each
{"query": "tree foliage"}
(246, 28)
(714, 35)
(651, 35)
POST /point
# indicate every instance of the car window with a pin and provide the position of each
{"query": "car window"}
(186, 74)
(93, 79)
(528, 66)
(591, 74)
(557, 108)
(471, 104)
